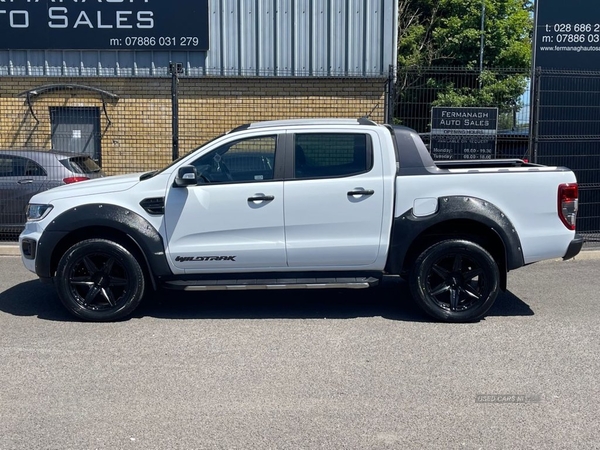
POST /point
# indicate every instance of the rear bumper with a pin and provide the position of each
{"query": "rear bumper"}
(574, 247)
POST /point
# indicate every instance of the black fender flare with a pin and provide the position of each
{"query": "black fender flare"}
(123, 220)
(408, 227)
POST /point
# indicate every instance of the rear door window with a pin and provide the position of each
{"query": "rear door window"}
(318, 155)
(33, 169)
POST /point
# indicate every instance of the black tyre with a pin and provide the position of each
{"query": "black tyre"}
(455, 281)
(99, 280)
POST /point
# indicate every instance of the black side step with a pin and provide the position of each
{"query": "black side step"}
(275, 283)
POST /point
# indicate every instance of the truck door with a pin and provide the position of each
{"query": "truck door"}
(234, 219)
(334, 200)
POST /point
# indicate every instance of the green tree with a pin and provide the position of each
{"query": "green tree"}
(439, 55)
(446, 33)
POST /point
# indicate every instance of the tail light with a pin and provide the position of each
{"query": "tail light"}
(70, 180)
(568, 203)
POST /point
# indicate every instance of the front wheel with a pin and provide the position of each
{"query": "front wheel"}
(99, 280)
(455, 281)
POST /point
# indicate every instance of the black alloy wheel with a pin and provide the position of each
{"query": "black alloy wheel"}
(455, 281)
(99, 280)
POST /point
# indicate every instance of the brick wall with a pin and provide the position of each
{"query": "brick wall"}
(135, 130)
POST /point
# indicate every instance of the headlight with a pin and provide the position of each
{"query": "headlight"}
(37, 212)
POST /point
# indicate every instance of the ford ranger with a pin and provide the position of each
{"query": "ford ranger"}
(303, 204)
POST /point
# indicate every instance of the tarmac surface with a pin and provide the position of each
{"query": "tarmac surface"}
(292, 370)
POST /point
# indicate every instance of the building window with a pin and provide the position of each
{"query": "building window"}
(77, 130)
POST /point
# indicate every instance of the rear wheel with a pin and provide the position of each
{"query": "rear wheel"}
(99, 280)
(455, 281)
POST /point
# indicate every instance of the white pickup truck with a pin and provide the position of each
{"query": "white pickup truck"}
(301, 204)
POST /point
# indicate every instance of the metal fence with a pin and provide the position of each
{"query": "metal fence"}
(566, 132)
(126, 125)
(552, 118)
(418, 90)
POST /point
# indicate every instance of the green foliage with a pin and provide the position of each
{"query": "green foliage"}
(501, 89)
(447, 33)
(437, 34)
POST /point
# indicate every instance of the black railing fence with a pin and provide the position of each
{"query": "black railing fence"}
(566, 132)
(547, 117)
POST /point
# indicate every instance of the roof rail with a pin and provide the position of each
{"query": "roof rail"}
(366, 121)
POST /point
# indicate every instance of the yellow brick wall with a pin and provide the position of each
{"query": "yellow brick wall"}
(138, 136)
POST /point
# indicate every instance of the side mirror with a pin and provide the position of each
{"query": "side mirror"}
(186, 176)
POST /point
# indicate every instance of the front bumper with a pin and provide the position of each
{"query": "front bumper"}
(29, 245)
(574, 247)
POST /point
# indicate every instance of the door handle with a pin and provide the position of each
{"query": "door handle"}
(261, 197)
(29, 181)
(360, 191)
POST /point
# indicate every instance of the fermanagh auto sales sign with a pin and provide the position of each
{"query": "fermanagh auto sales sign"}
(104, 24)
(463, 133)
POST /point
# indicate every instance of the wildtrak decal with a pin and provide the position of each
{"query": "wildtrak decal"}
(204, 258)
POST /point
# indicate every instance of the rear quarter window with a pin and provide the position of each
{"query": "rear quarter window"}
(81, 164)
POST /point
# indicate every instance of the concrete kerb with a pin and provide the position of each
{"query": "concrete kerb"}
(9, 249)
(12, 249)
(585, 254)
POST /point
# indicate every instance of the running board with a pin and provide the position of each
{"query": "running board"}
(279, 283)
